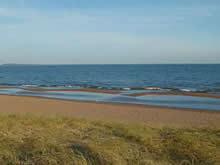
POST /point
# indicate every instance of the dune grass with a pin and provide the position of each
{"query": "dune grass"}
(29, 139)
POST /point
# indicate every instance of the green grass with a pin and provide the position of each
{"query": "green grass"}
(41, 140)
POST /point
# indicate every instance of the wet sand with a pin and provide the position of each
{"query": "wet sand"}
(156, 115)
(176, 93)
(2, 87)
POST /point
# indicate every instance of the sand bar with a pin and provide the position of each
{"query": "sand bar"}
(79, 90)
(7, 87)
(176, 93)
(66, 89)
(109, 111)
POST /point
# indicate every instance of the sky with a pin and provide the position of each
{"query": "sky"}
(109, 32)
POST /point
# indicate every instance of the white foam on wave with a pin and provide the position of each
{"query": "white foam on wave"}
(153, 88)
(30, 85)
(187, 90)
(68, 86)
(127, 89)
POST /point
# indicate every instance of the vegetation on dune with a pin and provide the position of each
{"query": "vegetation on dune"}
(29, 139)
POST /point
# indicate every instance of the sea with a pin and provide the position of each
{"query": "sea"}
(123, 78)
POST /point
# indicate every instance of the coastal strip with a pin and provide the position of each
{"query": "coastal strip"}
(123, 112)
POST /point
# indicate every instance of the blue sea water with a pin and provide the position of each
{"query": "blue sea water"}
(136, 77)
(126, 78)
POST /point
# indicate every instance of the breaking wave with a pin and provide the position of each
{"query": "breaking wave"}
(86, 86)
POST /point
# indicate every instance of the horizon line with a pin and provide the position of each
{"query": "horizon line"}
(123, 64)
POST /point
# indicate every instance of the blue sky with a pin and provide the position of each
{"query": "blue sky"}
(109, 32)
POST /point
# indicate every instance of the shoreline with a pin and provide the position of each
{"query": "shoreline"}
(120, 104)
(77, 90)
(136, 94)
(124, 112)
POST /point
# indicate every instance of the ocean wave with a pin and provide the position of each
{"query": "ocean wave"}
(87, 86)
(191, 90)
(153, 88)
(127, 89)
(30, 85)
(186, 90)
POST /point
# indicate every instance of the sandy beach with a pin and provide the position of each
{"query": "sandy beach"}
(109, 111)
